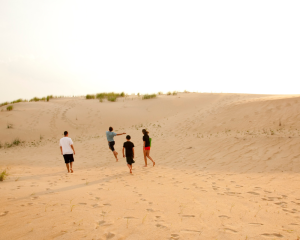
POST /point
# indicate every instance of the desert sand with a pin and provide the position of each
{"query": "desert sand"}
(227, 167)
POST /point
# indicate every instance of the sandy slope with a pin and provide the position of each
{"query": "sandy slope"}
(227, 168)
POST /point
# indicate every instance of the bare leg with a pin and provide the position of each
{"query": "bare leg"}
(67, 164)
(130, 167)
(115, 154)
(71, 167)
(148, 156)
(145, 158)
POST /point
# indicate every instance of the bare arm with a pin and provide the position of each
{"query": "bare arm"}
(73, 149)
(61, 150)
(132, 152)
(123, 152)
(120, 134)
(144, 144)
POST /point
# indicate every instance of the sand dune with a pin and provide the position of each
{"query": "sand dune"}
(227, 168)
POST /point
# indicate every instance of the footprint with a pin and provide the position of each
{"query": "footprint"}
(4, 213)
(188, 230)
(224, 216)
(281, 203)
(188, 215)
(272, 235)
(232, 193)
(254, 193)
(110, 235)
(160, 226)
(174, 237)
(230, 230)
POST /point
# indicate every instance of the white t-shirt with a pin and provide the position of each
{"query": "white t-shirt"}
(66, 143)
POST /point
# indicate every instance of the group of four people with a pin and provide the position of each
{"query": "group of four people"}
(67, 148)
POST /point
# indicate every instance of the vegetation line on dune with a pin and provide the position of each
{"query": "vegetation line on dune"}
(15, 142)
(111, 96)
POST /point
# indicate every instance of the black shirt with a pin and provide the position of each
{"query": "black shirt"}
(146, 140)
(128, 147)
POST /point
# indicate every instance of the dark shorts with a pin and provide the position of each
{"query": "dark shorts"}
(130, 160)
(111, 145)
(68, 158)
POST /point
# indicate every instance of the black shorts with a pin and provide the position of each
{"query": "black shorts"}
(130, 160)
(111, 145)
(68, 158)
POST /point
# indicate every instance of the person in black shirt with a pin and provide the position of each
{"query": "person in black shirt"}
(129, 147)
(146, 147)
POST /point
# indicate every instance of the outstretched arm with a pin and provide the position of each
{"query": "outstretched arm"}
(120, 134)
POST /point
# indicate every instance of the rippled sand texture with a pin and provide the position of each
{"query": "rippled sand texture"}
(227, 167)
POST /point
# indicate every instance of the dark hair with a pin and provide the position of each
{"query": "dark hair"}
(128, 137)
(65, 133)
(145, 132)
(110, 129)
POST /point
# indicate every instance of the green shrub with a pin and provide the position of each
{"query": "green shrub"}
(148, 96)
(17, 101)
(174, 93)
(111, 98)
(160, 93)
(49, 97)
(35, 99)
(89, 96)
(8, 145)
(100, 95)
(16, 142)
(9, 108)
(169, 93)
(4, 104)
(3, 175)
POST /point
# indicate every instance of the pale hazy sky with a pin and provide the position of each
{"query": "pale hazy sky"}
(79, 47)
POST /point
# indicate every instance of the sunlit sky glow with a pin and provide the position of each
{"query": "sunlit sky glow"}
(79, 47)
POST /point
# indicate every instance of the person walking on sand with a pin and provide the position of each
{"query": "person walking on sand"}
(146, 147)
(111, 142)
(129, 147)
(67, 150)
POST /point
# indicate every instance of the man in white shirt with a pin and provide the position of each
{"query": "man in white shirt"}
(67, 150)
